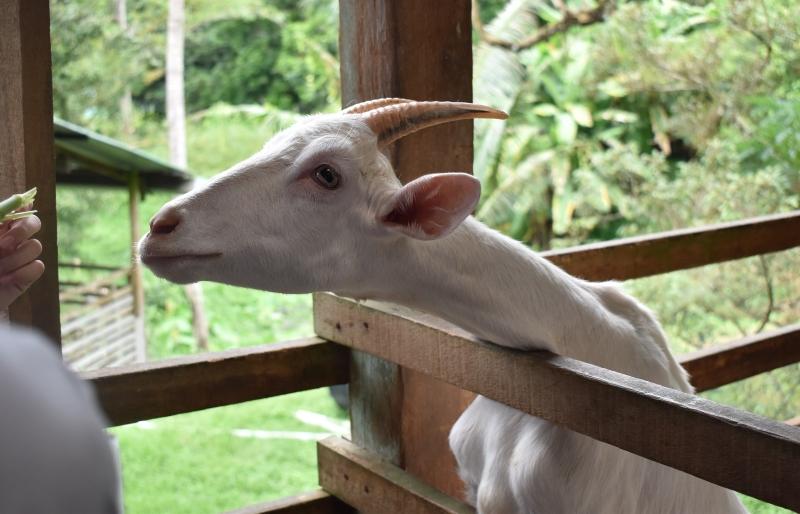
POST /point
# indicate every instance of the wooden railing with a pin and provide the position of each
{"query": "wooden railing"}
(727, 446)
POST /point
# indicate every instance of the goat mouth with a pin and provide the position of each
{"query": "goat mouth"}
(151, 260)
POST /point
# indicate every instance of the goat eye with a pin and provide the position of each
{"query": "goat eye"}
(326, 176)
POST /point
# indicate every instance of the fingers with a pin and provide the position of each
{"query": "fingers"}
(13, 284)
(18, 232)
(25, 253)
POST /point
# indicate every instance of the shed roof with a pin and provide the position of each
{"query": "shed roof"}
(88, 158)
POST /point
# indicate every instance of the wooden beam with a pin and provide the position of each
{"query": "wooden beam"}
(137, 285)
(743, 358)
(372, 485)
(643, 256)
(26, 140)
(186, 384)
(727, 446)
(312, 502)
(420, 50)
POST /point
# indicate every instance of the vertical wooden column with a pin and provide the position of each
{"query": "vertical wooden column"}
(134, 193)
(26, 144)
(420, 50)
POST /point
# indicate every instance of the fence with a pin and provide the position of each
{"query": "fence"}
(99, 325)
(724, 445)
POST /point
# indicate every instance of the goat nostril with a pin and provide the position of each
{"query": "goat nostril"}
(164, 223)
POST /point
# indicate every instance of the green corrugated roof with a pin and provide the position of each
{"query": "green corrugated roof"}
(86, 157)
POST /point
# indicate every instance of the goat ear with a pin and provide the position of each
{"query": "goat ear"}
(432, 206)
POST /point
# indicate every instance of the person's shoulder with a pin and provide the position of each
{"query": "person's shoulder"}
(27, 348)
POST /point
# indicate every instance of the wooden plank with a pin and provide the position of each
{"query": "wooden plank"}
(743, 358)
(97, 318)
(727, 446)
(376, 395)
(312, 502)
(420, 50)
(367, 39)
(104, 354)
(96, 303)
(134, 195)
(648, 255)
(185, 384)
(26, 140)
(372, 485)
(103, 281)
(98, 341)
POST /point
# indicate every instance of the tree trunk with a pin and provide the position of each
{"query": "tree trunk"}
(176, 125)
(176, 110)
(126, 102)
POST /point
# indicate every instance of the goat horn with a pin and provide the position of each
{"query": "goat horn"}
(373, 104)
(391, 122)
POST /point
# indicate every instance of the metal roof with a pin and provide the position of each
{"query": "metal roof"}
(88, 158)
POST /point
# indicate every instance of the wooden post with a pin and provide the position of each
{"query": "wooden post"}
(420, 50)
(26, 144)
(134, 193)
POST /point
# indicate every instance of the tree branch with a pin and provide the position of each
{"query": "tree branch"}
(770, 293)
(569, 19)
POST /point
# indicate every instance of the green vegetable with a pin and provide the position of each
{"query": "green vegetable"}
(14, 202)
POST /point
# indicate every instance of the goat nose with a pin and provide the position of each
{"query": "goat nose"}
(165, 221)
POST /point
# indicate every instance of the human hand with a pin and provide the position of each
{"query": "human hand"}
(19, 267)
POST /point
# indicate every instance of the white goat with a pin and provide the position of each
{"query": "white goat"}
(320, 209)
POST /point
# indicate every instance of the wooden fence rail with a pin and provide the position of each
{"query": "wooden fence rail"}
(374, 486)
(312, 502)
(727, 446)
(652, 254)
(743, 358)
(185, 384)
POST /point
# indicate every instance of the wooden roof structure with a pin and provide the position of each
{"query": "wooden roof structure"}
(88, 158)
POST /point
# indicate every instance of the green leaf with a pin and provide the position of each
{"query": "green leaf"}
(566, 129)
(613, 89)
(618, 116)
(546, 110)
(581, 114)
(563, 210)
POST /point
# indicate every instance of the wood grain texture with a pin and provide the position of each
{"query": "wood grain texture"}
(312, 502)
(643, 256)
(420, 50)
(26, 144)
(414, 49)
(186, 384)
(743, 358)
(376, 396)
(374, 486)
(727, 446)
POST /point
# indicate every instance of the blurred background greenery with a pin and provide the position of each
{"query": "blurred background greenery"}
(661, 114)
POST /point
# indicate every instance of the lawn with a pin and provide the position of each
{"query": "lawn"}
(220, 459)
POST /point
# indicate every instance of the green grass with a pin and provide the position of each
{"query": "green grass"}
(192, 463)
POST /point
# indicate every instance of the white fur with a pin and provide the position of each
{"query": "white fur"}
(271, 231)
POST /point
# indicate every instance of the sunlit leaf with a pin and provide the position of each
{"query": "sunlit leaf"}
(546, 110)
(581, 114)
(566, 129)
